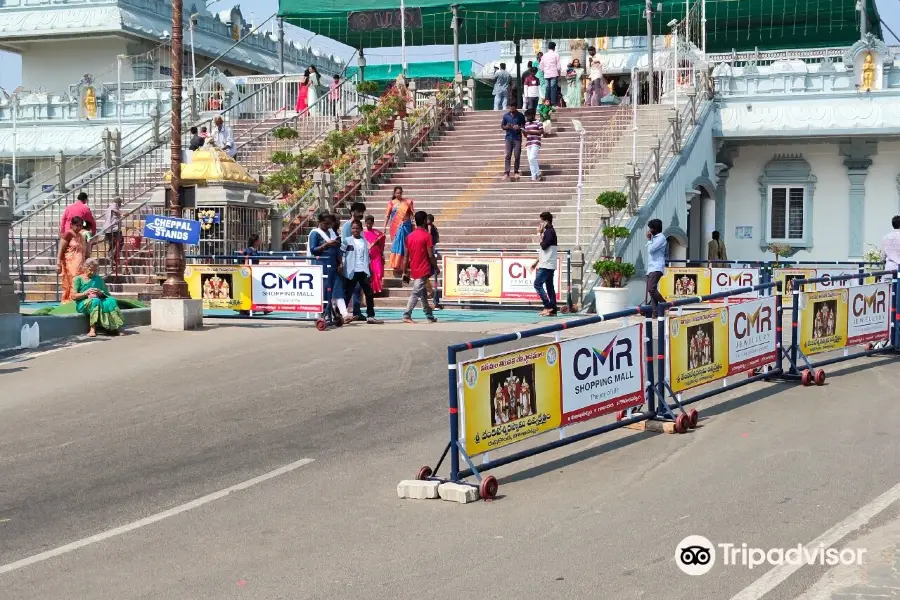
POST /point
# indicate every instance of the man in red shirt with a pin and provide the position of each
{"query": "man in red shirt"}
(420, 264)
(79, 208)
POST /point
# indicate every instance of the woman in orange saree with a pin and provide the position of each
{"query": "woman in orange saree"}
(399, 218)
(71, 257)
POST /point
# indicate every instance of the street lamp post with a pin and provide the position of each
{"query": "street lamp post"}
(581, 132)
(649, 13)
(175, 286)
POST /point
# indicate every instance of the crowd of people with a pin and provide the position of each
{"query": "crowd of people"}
(353, 257)
(310, 90)
(79, 280)
(546, 80)
(221, 137)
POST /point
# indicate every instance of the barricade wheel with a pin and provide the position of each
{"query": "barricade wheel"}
(694, 417)
(820, 377)
(489, 487)
(806, 377)
(682, 423)
(870, 346)
(321, 325)
(424, 473)
(622, 414)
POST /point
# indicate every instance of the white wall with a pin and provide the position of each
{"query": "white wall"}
(830, 213)
(882, 197)
(55, 65)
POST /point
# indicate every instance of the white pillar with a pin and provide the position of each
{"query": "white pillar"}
(708, 218)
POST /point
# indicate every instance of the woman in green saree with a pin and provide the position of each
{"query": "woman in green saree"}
(93, 299)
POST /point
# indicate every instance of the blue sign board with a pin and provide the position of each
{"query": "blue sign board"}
(170, 229)
(46, 189)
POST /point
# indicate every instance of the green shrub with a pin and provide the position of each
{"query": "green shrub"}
(612, 200)
(368, 88)
(613, 273)
(285, 133)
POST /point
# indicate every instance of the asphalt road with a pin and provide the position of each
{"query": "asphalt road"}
(103, 434)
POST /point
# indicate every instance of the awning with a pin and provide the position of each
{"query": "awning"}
(416, 70)
(731, 24)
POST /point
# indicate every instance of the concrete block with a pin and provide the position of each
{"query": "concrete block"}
(418, 490)
(175, 315)
(458, 492)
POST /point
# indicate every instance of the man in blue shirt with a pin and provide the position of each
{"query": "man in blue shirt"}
(656, 263)
(501, 87)
(513, 123)
(324, 244)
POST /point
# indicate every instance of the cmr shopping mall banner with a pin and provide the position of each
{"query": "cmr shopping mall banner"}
(294, 288)
(713, 344)
(513, 396)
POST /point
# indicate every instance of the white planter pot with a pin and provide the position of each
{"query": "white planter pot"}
(608, 300)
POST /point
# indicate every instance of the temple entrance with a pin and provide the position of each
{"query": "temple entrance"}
(701, 223)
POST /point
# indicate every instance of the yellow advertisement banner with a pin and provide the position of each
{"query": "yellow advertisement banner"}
(698, 348)
(510, 397)
(472, 277)
(823, 321)
(685, 282)
(786, 276)
(220, 286)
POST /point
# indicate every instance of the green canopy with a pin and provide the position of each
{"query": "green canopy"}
(731, 24)
(416, 70)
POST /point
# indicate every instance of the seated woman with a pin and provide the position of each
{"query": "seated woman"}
(93, 299)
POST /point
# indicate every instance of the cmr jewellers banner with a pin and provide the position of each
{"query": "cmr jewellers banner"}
(690, 282)
(713, 344)
(294, 288)
(513, 396)
(833, 319)
(493, 278)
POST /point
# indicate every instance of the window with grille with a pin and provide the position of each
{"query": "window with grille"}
(786, 208)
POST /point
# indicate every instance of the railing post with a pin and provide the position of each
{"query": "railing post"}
(154, 125)
(195, 105)
(656, 148)
(400, 128)
(692, 98)
(675, 124)
(9, 302)
(106, 161)
(412, 87)
(60, 163)
(632, 176)
(470, 94)
(365, 153)
(322, 181)
(275, 225)
(117, 146)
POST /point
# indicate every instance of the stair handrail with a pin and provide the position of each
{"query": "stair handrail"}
(687, 119)
(124, 164)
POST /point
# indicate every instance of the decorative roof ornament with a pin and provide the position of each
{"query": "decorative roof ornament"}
(869, 44)
(212, 165)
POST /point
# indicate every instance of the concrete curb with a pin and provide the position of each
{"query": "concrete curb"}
(58, 327)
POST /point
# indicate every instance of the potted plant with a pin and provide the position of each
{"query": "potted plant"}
(778, 250)
(610, 292)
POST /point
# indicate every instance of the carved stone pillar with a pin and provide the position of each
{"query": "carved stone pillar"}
(857, 153)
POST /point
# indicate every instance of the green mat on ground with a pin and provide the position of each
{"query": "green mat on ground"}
(69, 308)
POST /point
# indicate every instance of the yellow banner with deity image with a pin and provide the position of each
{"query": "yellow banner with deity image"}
(510, 397)
(472, 277)
(685, 282)
(220, 286)
(698, 348)
(823, 321)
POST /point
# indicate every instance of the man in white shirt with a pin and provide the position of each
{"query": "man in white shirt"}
(222, 138)
(890, 246)
(112, 227)
(597, 88)
(552, 68)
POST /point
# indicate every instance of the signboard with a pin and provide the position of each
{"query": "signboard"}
(751, 335)
(685, 282)
(698, 348)
(171, 229)
(602, 373)
(518, 279)
(823, 321)
(727, 279)
(869, 312)
(589, 10)
(46, 188)
(493, 278)
(384, 20)
(510, 397)
(786, 276)
(220, 286)
(295, 288)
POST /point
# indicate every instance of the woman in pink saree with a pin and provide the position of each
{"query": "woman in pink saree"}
(399, 218)
(303, 94)
(375, 240)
